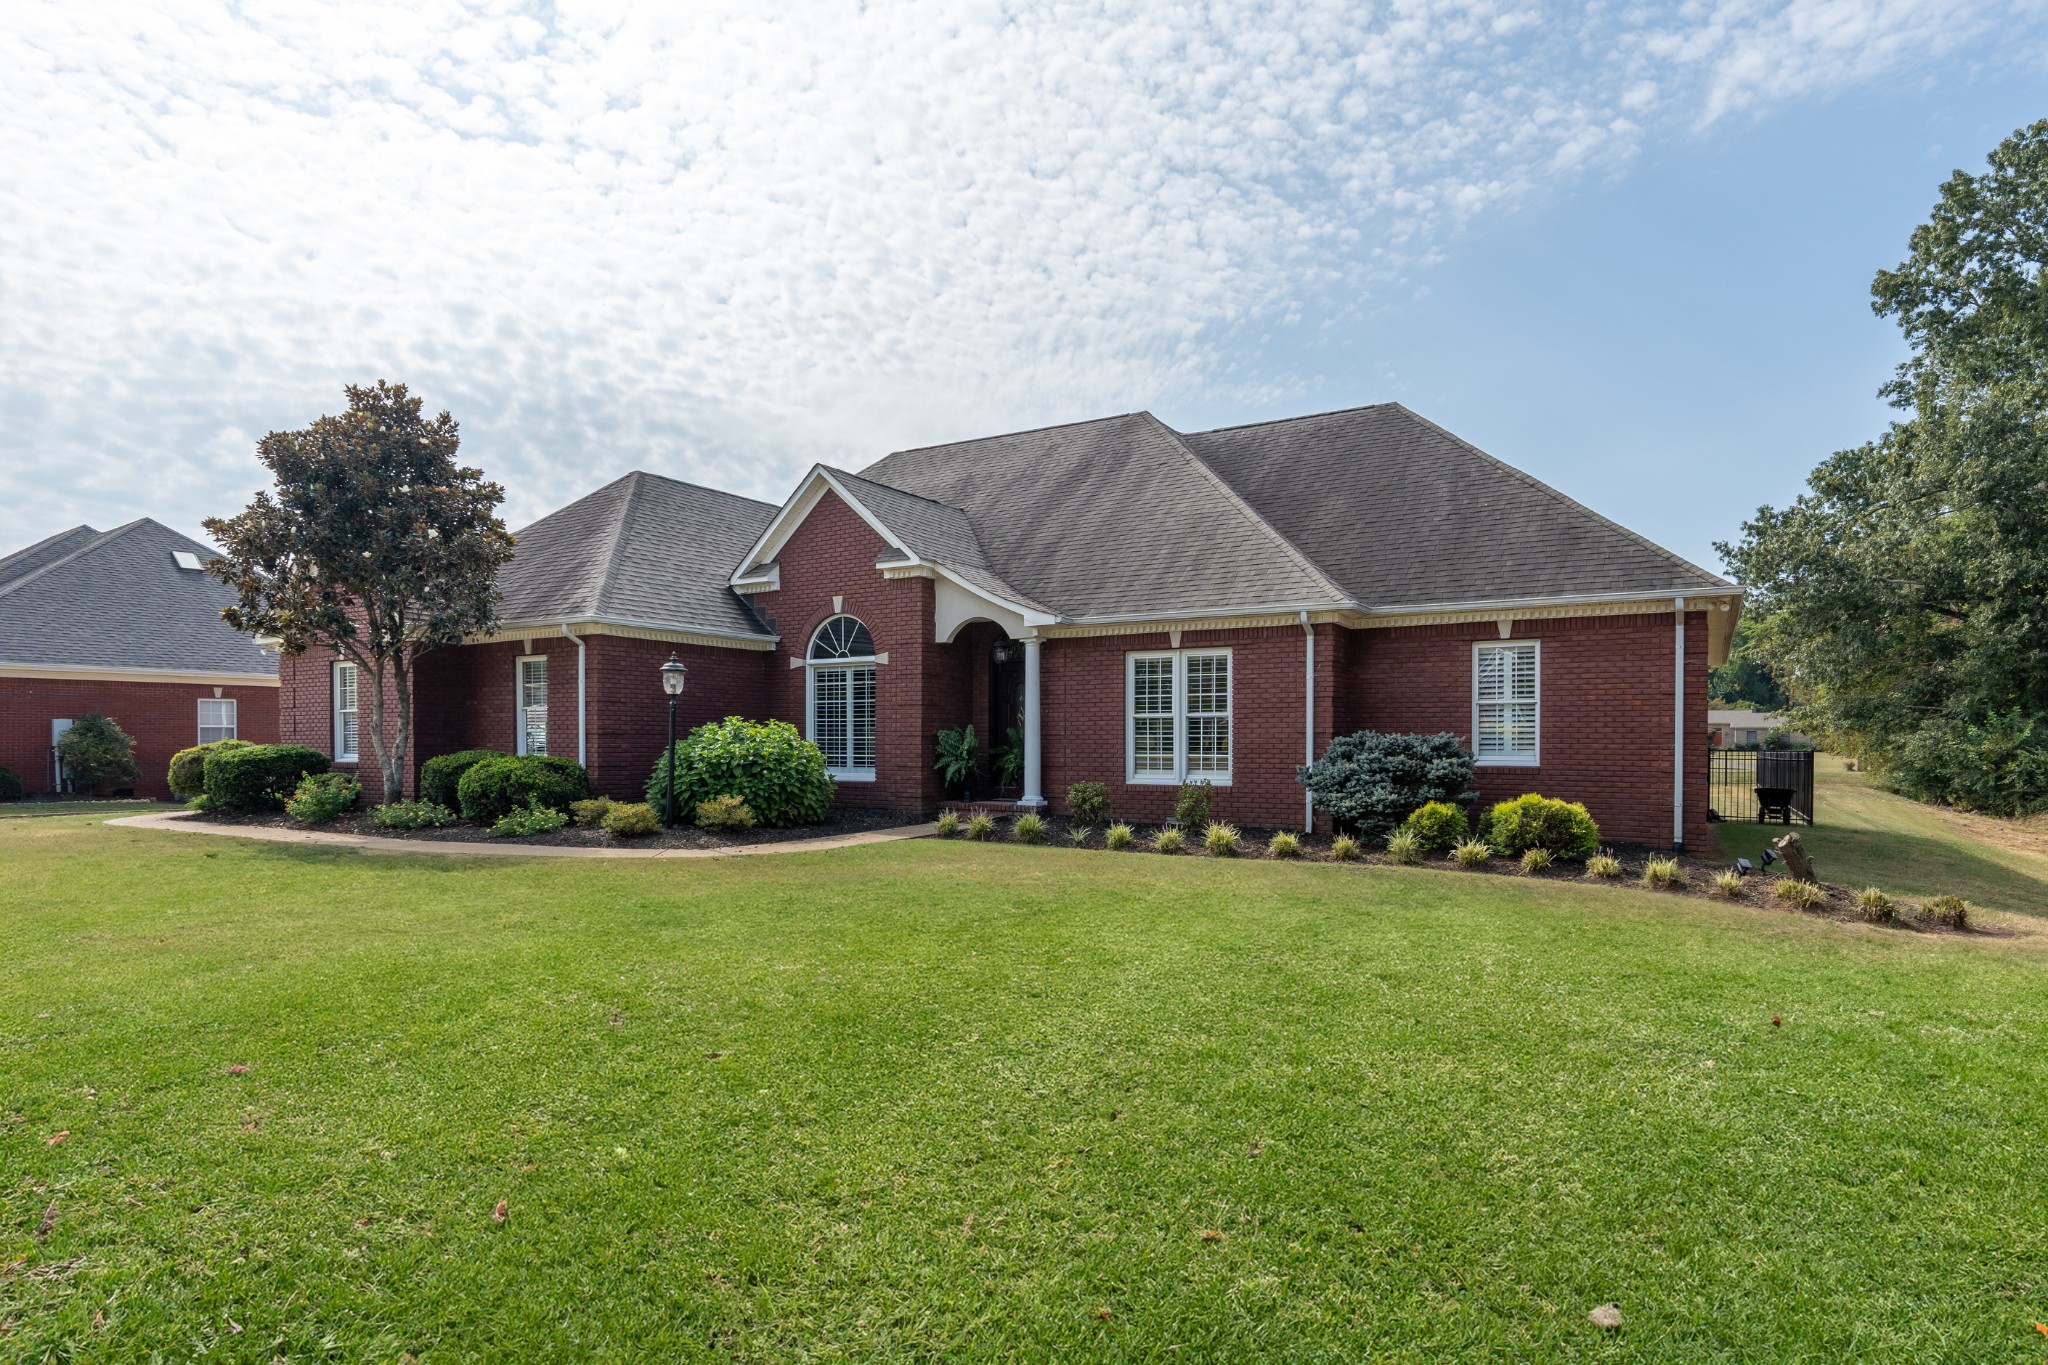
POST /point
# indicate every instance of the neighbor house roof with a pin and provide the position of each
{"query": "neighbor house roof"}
(642, 549)
(118, 600)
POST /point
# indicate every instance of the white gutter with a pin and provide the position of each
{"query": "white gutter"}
(582, 654)
(1308, 798)
(1678, 735)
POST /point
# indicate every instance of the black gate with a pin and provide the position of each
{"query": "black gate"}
(1761, 785)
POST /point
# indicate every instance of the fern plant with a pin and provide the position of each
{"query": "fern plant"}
(959, 756)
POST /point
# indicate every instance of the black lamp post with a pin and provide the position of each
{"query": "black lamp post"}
(671, 683)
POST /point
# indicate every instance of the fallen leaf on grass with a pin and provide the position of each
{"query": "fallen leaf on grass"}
(234, 1328)
(237, 1069)
(714, 1056)
(1210, 1235)
(1257, 1147)
(499, 1213)
(1776, 1022)
(57, 1137)
(49, 1221)
(363, 1222)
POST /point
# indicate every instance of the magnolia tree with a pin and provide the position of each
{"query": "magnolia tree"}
(374, 543)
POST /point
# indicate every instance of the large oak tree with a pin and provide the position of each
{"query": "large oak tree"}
(373, 543)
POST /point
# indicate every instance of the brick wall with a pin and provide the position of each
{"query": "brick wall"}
(162, 717)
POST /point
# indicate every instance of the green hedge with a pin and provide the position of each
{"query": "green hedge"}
(257, 777)
(1565, 828)
(441, 778)
(10, 785)
(188, 766)
(766, 764)
(495, 787)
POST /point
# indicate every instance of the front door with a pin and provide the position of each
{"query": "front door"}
(1005, 699)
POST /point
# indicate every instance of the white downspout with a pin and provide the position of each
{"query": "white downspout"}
(582, 755)
(1308, 724)
(1678, 735)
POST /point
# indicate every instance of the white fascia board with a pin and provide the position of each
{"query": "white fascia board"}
(1568, 600)
(597, 623)
(86, 673)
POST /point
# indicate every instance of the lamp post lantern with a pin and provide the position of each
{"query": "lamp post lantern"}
(671, 683)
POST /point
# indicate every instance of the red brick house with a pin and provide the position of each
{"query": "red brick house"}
(1145, 605)
(123, 622)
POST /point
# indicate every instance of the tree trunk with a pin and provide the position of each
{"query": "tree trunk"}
(1796, 862)
(391, 757)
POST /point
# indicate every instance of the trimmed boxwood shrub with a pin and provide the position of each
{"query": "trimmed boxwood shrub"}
(1438, 827)
(1565, 828)
(495, 787)
(767, 764)
(1369, 782)
(187, 776)
(257, 777)
(10, 785)
(441, 778)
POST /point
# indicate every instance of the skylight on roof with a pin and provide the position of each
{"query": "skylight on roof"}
(185, 559)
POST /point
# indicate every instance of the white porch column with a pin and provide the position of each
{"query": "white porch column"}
(1033, 798)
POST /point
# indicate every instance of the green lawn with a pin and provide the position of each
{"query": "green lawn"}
(927, 1101)
(1866, 836)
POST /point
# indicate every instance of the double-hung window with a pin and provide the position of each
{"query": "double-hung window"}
(840, 669)
(1177, 716)
(1507, 703)
(531, 683)
(216, 719)
(346, 732)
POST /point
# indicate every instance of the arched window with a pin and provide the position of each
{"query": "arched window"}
(840, 667)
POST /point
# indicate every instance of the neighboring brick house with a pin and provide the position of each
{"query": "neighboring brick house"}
(1143, 605)
(123, 622)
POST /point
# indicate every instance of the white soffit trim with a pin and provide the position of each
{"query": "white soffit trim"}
(140, 675)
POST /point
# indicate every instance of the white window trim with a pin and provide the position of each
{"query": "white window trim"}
(334, 698)
(233, 727)
(519, 663)
(1180, 657)
(1535, 759)
(812, 667)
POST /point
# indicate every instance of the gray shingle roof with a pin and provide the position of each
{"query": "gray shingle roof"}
(934, 532)
(1402, 513)
(642, 548)
(116, 599)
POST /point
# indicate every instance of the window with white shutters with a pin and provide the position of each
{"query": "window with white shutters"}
(532, 686)
(216, 719)
(1177, 716)
(1507, 702)
(346, 732)
(841, 710)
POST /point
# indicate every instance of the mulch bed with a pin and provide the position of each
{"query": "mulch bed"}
(837, 822)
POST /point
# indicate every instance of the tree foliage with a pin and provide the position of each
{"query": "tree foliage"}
(1903, 599)
(1746, 680)
(373, 543)
(97, 754)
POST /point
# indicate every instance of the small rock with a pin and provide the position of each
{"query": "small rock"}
(1607, 1315)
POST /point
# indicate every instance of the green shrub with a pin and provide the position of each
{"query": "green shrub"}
(413, 815)
(1536, 860)
(1028, 828)
(590, 814)
(1876, 906)
(1344, 848)
(1167, 841)
(1438, 827)
(1370, 782)
(1663, 874)
(1951, 912)
(1221, 840)
(949, 823)
(98, 755)
(441, 778)
(1404, 847)
(1996, 763)
(1078, 835)
(10, 785)
(1531, 821)
(1800, 895)
(1088, 801)
(1283, 845)
(959, 756)
(322, 796)
(187, 776)
(1119, 836)
(726, 814)
(258, 777)
(982, 827)
(493, 788)
(1191, 804)
(1727, 884)
(630, 820)
(1604, 866)
(767, 764)
(1472, 853)
(526, 821)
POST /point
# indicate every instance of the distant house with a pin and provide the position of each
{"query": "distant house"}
(1732, 727)
(1142, 606)
(123, 622)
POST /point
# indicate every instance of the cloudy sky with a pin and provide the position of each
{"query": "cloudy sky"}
(1626, 246)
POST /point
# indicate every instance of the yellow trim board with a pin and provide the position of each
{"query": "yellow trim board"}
(138, 675)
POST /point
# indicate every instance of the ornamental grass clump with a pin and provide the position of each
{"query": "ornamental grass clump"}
(1472, 853)
(1800, 895)
(1876, 906)
(413, 815)
(1603, 867)
(1284, 845)
(949, 823)
(1167, 841)
(1950, 912)
(1405, 847)
(1028, 828)
(1344, 848)
(631, 820)
(982, 827)
(1535, 860)
(1077, 835)
(1727, 884)
(1221, 840)
(1119, 836)
(1663, 874)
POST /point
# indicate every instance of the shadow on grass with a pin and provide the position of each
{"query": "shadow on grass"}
(1900, 862)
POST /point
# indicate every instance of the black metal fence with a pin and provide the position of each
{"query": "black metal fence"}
(1764, 785)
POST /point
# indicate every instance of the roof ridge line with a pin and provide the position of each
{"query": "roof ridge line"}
(611, 554)
(699, 487)
(1563, 497)
(1006, 435)
(95, 543)
(961, 512)
(1251, 513)
(1304, 417)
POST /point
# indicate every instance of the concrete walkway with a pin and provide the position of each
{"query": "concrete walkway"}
(178, 823)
